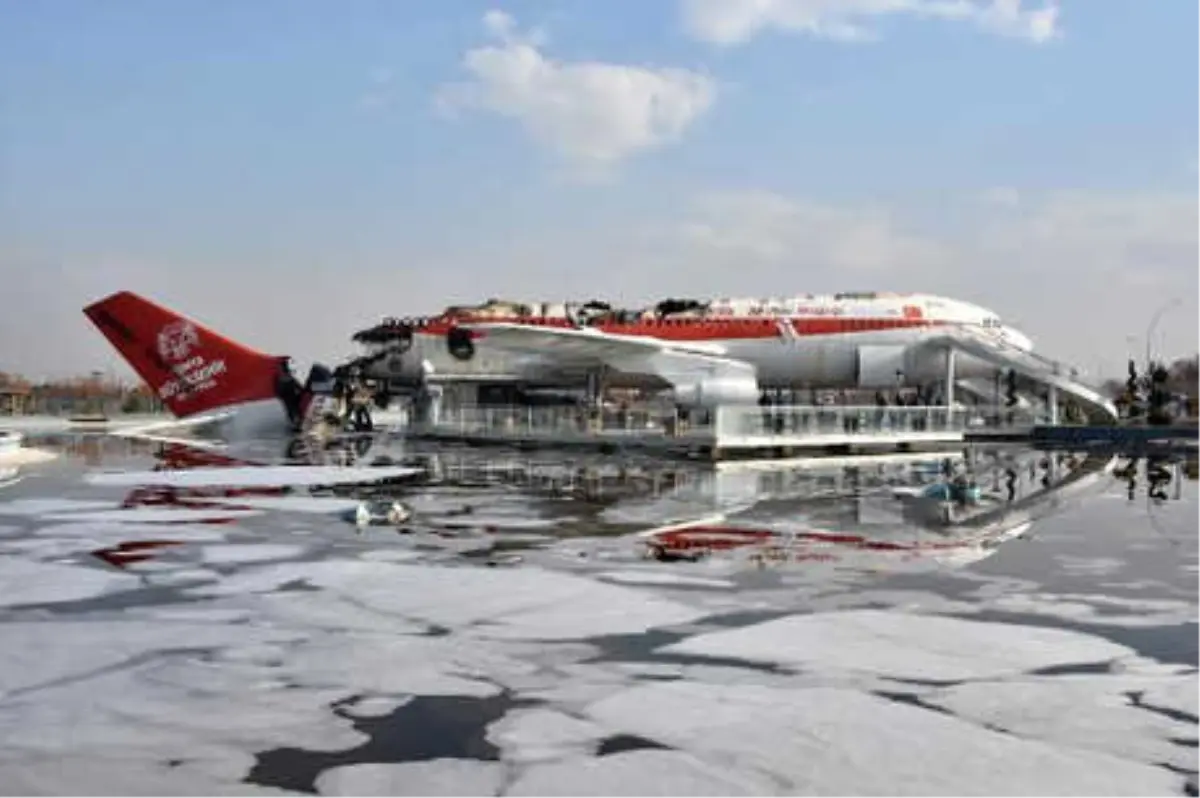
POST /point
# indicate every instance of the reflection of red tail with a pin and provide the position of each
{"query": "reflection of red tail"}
(191, 368)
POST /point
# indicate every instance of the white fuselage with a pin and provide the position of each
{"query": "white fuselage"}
(828, 343)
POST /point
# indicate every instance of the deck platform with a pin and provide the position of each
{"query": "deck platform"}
(743, 432)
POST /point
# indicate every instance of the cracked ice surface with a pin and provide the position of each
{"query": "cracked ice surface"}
(517, 604)
(26, 582)
(901, 645)
(1082, 711)
(252, 659)
(811, 741)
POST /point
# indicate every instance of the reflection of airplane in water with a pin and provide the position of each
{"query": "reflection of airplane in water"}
(856, 512)
(957, 517)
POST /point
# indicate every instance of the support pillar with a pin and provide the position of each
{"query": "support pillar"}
(595, 389)
(1052, 403)
(950, 377)
(434, 412)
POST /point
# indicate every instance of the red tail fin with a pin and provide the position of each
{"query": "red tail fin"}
(190, 367)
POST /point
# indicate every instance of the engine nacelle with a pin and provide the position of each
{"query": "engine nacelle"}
(716, 392)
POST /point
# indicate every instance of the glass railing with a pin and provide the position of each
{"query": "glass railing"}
(752, 421)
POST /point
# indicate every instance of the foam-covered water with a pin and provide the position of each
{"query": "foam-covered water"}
(513, 638)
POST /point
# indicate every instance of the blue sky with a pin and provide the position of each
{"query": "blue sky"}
(259, 162)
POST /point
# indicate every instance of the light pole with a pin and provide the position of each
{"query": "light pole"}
(1154, 320)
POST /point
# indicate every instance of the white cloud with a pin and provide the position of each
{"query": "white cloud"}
(731, 22)
(759, 232)
(592, 114)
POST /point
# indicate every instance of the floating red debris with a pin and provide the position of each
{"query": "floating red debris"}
(131, 551)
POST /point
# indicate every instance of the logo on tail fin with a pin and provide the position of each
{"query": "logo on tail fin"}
(176, 341)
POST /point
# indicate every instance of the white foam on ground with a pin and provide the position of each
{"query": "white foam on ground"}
(1099, 608)
(644, 773)
(396, 664)
(1090, 566)
(155, 515)
(250, 552)
(252, 476)
(659, 577)
(317, 505)
(115, 772)
(84, 538)
(531, 735)
(184, 576)
(375, 706)
(205, 614)
(1078, 711)
(514, 603)
(390, 555)
(26, 582)
(902, 645)
(1181, 695)
(824, 741)
(37, 507)
(333, 612)
(36, 653)
(209, 715)
(434, 777)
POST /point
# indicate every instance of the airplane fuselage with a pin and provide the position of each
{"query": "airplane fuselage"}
(863, 341)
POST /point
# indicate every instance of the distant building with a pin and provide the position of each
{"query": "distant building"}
(16, 400)
(90, 395)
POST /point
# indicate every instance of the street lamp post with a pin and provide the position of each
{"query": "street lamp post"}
(1154, 320)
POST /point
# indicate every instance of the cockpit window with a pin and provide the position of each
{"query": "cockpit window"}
(991, 322)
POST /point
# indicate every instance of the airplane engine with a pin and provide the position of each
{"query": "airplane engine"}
(715, 392)
(460, 344)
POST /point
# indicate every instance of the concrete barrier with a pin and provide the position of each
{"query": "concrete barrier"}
(10, 442)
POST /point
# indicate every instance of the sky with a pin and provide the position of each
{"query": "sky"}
(289, 171)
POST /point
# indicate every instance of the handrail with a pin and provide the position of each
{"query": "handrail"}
(1057, 366)
(1033, 365)
(743, 420)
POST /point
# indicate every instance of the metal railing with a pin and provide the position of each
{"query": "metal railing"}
(808, 421)
(548, 421)
(721, 422)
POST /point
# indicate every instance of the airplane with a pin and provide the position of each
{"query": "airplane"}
(707, 353)
(723, 351)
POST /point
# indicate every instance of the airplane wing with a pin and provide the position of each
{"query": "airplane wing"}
(154, 431)
(1004, 355)
(679, 363)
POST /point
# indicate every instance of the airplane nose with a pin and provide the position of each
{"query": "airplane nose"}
(1018, 339)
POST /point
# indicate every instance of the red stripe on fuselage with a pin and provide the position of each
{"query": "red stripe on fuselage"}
(709, 329)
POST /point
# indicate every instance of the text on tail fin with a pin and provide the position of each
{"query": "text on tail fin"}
(191, 368)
